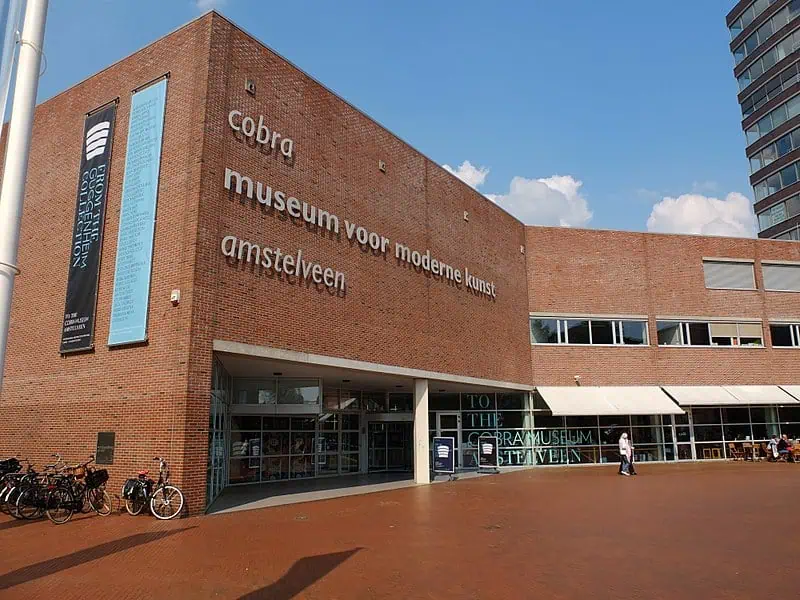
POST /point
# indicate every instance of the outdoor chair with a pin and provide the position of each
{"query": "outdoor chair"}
(734, 452)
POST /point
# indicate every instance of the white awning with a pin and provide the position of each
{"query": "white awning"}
(608, 400)
(701, 395)
(794, 390)
(760, 394)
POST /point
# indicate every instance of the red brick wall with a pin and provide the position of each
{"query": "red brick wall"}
(58, 403)
(389, 314)
(619, 273)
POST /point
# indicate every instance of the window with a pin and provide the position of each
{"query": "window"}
(699, 333)
(762, 34)
(602, 332)
(597, 332)
(772, 88)
(729, 275)
(781, 278)
(577, 332)
(778, 213)
(776, 53)
(544, 331)
(785, 336)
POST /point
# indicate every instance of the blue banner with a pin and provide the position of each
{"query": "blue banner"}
(129, 305)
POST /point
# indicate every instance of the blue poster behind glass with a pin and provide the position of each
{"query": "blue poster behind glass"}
(137, 219)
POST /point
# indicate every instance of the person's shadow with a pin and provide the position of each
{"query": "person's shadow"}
(302, 574)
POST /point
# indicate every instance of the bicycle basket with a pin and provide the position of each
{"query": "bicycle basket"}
(96, 478)
(12, 465)
(79, 472)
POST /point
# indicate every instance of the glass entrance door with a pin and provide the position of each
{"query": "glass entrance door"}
(448, 424)
(390, 446)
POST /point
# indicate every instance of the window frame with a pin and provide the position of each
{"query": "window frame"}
(562, 330)
(685, 335)
(794, 334)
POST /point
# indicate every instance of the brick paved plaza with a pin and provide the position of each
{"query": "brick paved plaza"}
(676, 531)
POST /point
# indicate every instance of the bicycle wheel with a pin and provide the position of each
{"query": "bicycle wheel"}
(11, 502)
(134, 506)
(99, 501)
(29, 503)
(166, 503)
(60, 505)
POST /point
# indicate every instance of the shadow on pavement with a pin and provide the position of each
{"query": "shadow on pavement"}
(301, 575)
(55, 565)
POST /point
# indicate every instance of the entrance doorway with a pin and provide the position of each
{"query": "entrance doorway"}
(448, 424)
(390, 446)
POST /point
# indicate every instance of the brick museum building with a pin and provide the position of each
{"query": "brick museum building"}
(224, 263)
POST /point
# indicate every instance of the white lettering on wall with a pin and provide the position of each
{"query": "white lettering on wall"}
(291, 265)
(258, 131)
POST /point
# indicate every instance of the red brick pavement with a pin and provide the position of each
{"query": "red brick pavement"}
(673, 532)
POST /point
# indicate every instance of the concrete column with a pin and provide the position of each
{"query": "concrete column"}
(422, 462)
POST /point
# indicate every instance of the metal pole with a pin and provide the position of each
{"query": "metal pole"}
(15, 168)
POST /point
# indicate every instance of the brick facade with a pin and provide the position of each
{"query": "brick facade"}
(620, 273)
(155, 396)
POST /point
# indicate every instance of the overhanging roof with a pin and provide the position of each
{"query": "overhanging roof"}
(608, 400)
(701, 395)
(760, 394)
(717, 395)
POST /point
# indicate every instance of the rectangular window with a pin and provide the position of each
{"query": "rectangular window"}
(602, 332)
(669, 333)
(544, 331)
(698, 333)
(793, 206)
(729, 275)
(577, 332)
(784, 145)
(781, 278)
(764, 221)
(597, 332)
(634, 333)
(788, 175)
(784, 336)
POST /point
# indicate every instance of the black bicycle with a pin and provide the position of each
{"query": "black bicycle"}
(31, 497)
(165, 499)
(79, 488)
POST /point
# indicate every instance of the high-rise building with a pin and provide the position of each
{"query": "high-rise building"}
(765, 37)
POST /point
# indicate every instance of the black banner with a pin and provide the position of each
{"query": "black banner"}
(487, 452)
(87, 235)
(444, 460)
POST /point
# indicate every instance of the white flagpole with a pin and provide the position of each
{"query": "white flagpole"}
(18, 149)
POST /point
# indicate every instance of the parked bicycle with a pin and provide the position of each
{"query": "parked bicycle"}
(165, 499)
(10, 486)
(79, 488)
(31, 499)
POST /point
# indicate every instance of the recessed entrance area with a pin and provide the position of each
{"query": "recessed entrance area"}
(279, 423)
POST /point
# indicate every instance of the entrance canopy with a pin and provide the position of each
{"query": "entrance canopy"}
(715, 395)
(608, 400)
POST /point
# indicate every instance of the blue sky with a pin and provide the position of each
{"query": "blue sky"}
(634, 99)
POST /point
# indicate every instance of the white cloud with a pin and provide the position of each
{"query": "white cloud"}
(555, 200)
(468, 173)
(204, 5)
(695, 213)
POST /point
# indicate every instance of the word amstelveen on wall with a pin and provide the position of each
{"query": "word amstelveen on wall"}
(293, 265)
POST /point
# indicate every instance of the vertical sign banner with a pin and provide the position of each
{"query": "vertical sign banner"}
(487, 452)
(137, 220)
(444, 460)
(77, 331)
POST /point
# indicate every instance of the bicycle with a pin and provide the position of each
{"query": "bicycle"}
(79, 488)
(31, 501)
(165, 500)
(10, 486)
